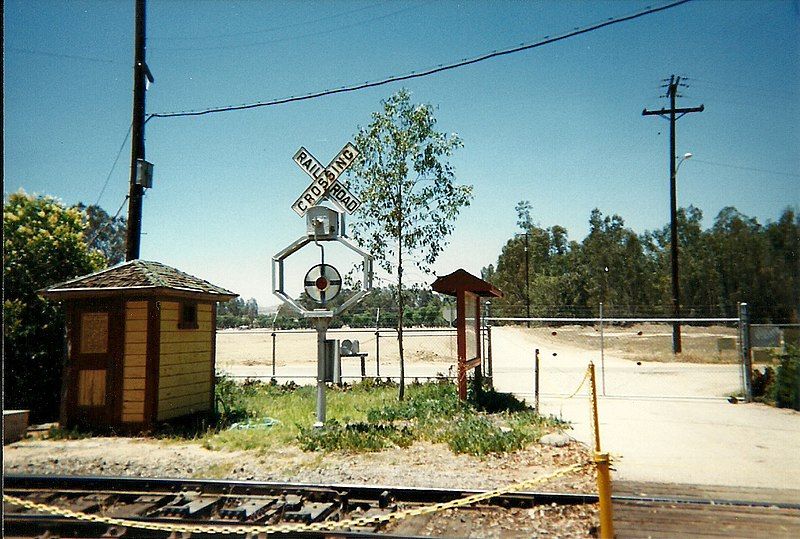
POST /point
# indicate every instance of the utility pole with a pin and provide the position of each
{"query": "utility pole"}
(527, 277)
(140, 73)
(672, 92)
(527, 280)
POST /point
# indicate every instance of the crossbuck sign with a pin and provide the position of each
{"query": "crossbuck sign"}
(326, 180)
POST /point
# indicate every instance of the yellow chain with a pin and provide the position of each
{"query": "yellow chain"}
(585, 377)
(288, 528)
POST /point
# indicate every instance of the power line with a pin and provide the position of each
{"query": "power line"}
(99, 230)
(752, 169)
(116, 159)
(259, 43)
(414, 75)
(67, 56)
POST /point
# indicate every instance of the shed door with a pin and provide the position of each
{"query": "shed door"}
(94, 365)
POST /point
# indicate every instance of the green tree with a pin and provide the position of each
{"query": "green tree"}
(614, 267)
(699, 278)
(550, 258)
(43, 244)
(783, 239)
(409, 193)
(105, 233)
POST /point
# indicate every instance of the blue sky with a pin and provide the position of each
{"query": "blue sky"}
(558, 125)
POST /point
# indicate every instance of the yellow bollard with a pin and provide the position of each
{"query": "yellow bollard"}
(601, 460)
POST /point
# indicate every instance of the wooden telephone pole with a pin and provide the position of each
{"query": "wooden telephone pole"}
(136, 192)
(673, 114)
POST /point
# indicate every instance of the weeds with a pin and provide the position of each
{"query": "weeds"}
(355, 437)
(366, 417)
(479, 435)
(60, 433)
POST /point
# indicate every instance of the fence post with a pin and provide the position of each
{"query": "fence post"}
(273, 353)
(378, 343)
(744, 339)
(602, 353)
(536, 380)
(489, 369)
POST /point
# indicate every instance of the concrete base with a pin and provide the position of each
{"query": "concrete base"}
(15, 423)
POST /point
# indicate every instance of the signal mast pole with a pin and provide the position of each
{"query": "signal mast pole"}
(672, 93)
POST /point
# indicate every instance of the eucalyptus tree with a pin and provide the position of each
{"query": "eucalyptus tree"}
(409, 192)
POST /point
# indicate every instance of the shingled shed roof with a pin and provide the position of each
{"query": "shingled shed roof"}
(463, 280)
(138, 277)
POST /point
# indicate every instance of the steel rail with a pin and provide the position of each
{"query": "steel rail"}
(404, 494)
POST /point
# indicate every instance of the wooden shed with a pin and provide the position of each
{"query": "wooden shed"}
(141, 341)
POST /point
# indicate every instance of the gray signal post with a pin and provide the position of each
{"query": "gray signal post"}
(322, 283)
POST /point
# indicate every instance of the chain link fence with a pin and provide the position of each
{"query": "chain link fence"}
(292, 354)
(634, 356)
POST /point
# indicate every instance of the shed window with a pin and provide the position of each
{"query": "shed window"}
(188, 316)
(94, 333)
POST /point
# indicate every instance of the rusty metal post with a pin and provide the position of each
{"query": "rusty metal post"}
(601, 461)
(536, 380)
(489, 368)
(489, 354)
(273, 353)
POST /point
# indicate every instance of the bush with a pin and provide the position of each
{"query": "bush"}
(354, 437)
(43, 244)
(438, 400)
(763, 382)
(787, 380)
(478, 435)
(232, 400)
(492, 402)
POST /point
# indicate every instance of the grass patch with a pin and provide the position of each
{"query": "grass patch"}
(368, 417)
(61, 433)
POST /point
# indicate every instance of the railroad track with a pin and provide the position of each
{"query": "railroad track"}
(199, 503)
(183, 508)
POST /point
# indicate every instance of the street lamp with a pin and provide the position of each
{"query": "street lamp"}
(676, 305)
(687, 155)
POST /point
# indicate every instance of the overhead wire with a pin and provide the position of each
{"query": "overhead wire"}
(113, 166)
(288, 38)
(414, 75)
(107, 223)
(58, 55)
(752, 169)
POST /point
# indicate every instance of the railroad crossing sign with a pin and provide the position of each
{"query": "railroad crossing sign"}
(326, 180)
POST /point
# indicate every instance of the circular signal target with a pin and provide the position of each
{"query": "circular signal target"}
(322, 283)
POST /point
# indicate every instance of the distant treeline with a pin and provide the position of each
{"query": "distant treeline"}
(423, 308)
(736, 260)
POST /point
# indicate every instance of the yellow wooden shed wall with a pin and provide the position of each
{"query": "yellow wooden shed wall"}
(135, 362)
(186, 362)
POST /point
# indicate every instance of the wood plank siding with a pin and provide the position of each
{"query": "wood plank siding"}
(135, 362)
(186, 361)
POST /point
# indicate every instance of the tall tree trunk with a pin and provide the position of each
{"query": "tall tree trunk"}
(400, 304)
